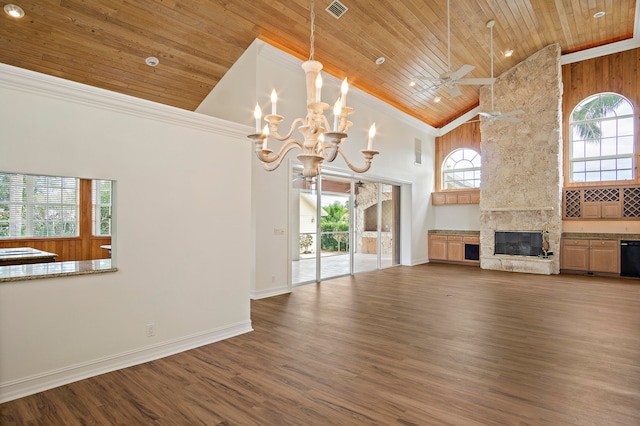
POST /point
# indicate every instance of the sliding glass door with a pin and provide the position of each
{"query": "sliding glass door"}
(341, 225)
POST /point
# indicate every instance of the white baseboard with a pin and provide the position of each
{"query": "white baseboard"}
(270, 292)
(415, 262)
(29, 385)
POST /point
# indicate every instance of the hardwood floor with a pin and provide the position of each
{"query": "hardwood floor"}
(433, 344)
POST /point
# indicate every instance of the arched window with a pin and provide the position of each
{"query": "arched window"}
(601, 139)
(461, 169)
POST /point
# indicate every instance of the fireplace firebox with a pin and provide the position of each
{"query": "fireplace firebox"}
(518, 243)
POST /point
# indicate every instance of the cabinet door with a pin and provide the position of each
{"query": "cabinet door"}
(451, 198)
(464, 198)
(604, 256)
(611, 209)
(455, 249)
(437, 247)
(575, 255)
(438, 199)
(591, 210)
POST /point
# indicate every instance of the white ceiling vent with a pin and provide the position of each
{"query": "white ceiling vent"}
(336, 9)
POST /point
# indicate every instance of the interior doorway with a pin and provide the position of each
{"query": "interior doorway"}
(342, 225)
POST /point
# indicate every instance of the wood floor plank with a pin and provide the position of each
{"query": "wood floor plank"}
(430, 344)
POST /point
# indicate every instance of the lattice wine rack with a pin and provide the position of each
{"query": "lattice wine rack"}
(629, 197)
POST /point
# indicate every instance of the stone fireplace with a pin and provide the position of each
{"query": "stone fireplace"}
(521, 187)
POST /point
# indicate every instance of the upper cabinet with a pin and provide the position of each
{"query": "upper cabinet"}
(601, 203)
(455, 197)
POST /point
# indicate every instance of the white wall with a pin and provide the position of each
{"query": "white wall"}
(182, 244)
(395, 163)
(459, 217)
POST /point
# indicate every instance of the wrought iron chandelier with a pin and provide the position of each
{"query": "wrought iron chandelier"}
(321, 142)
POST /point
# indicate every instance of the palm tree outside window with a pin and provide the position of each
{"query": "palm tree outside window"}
(601, 132)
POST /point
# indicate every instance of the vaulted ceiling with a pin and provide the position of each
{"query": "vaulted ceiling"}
(105, 43)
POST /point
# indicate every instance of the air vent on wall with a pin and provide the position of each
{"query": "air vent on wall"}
(337, 9)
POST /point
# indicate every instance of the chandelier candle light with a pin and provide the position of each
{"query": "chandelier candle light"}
(319, 142)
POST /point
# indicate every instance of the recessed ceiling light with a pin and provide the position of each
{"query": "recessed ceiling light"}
(508, 53)
(13, 10)
(380, 60)
(412, 83)
(598, 14)
(437, 99)
(152, 61)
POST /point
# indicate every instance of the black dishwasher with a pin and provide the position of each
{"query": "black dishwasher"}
(630, 258)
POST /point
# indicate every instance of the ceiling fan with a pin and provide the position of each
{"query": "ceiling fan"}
(451, 79)
(493, 115)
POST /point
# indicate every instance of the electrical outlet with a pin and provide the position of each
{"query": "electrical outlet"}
(150, 330)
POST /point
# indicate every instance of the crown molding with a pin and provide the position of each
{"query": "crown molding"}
(26, 81)
(596, 52)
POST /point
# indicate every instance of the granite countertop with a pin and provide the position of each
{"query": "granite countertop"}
(454, 232)
(573, 235)
(53, 270)
(599, 236)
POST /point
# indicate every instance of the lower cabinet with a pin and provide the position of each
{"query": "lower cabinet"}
(437, 247)
(450, 248)
(590, 255)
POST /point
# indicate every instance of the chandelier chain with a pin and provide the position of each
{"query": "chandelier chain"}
(313, 29)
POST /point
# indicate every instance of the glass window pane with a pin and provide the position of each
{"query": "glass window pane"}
(625, 126)
(609, 175)
(608, 164)
(577, 149)
(592, 165)
(624, 108)
(578, 177)
(592, 149)
(625, 175)
(592, 176)
(625, 145)
(608, 147)
(625, 163)
(578, 166)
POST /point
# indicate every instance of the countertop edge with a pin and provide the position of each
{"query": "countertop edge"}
(25, 273)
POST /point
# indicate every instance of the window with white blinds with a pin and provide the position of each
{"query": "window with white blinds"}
(101, 197)
(38, 206)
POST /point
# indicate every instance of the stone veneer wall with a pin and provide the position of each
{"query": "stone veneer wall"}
(521, 187)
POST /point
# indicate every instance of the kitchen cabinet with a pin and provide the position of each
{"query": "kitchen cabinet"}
(602, 210)
(455, 248)
(590, 255)
(451, 248)
(455, 197)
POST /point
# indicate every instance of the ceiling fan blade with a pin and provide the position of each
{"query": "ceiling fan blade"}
(476, 81)
(462, 71)
(454, 90)
(486, 114)
(428, 90)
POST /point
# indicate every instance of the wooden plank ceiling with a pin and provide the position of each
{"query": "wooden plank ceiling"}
(104, 43)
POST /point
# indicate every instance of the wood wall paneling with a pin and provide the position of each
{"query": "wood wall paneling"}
(612, 73)
(464, 136)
